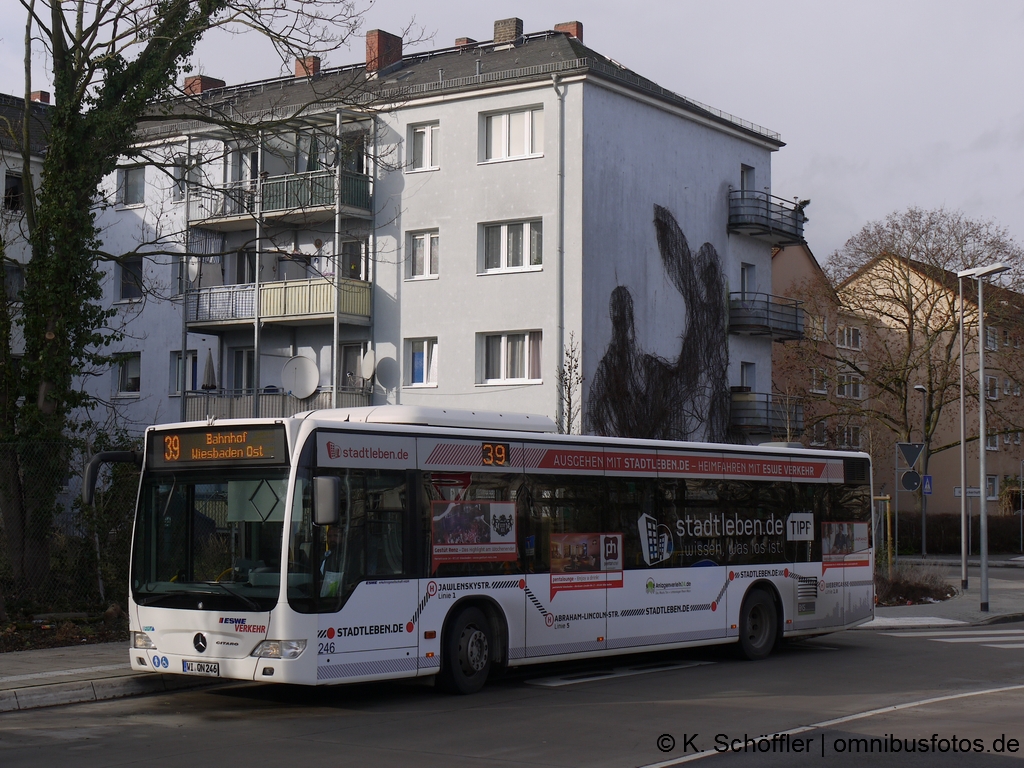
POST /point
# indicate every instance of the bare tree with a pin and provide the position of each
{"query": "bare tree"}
(569, 385)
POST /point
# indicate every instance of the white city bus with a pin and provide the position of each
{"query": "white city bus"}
(386, 542)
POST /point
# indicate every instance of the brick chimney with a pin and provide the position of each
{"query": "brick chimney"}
(508, 30)
(464, 43)
(382, 50)
(571, 28)
(307, 67)
(196, 84)
(43, 97)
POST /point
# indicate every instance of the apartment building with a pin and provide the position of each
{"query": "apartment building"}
(865, 383)
(437, 229)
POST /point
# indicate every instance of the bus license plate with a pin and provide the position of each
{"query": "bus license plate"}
(208, 668)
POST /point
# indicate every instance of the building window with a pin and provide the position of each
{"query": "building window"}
(513, 245)
(244, 370)
(848, 337)
(179, 177)
(424, 254)
(1006, 338)
(14, 280)
(131, 278)
(818, 384)
(816, 327)
(353, 263)
(129, 374)
(1016, 439)
(422, 362)
(511, 357)
(245, 267)
(426, 147)
(513, 134)
(851, 436)
(14, 191)
(131, 185)
(1016, 390)
(1006, 438)
(819, 433)
(191, 371)
(991, 487)
(992, 441)
(1006, 386)
(991, 338)
(850, 386)
(992, 387)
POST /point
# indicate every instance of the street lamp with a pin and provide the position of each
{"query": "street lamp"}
(978, 273)
(924, 439)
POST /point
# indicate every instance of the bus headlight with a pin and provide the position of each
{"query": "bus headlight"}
(142, 640)
(279, 649)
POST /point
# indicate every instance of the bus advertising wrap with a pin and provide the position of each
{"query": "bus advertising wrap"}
(472, 532)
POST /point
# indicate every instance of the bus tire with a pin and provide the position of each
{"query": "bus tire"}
(758, 625)
(466, 662)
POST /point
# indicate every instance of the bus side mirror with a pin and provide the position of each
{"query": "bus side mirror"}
(326, 495)
(92, 470)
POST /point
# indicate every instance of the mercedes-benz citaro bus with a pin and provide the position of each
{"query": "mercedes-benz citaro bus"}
(385, 542)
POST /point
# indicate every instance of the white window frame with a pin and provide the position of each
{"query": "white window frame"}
(126, 182)
(132, 363)
(431, 242)
(499, 343)
(817, 327)
(128, 278)
(992, 441)
(1006, 386)
(427, 347)
(819, 383)
(850, 386)
(849, 337)
(533, 259)
(851, 436)
(191, 371)
(992, 481)
(431, 137)
(992, 387)
(495, 144)
(991, 339)
(822, 438)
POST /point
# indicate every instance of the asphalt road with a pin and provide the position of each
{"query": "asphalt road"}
(588, 715)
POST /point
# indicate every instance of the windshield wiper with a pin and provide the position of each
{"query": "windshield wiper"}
(248, 601)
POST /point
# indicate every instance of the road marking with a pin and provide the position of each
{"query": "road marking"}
(885, 622)
(62, 672)
(981, 638)
(608, 674)
(951, 633)
(1007, 645)
(840, 721)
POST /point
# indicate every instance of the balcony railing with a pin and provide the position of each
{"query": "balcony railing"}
(293, 192)
(762, 413)
(766, 217)
(245, 404)
(761, 314)
(279, 300)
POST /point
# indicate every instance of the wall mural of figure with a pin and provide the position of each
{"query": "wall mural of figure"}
(638, 394)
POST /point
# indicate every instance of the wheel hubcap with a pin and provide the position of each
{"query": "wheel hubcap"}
(473, 650)
(757, 626)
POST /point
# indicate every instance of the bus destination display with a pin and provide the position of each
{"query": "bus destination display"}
(217, 447)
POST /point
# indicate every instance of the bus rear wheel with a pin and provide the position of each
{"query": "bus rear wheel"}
(467, 652)
(758, 625)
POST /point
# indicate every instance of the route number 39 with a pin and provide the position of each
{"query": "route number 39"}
(495, 454)
(172, 448)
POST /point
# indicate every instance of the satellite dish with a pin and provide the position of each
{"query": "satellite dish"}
(193, 268)
(300, 377)
(369, 364)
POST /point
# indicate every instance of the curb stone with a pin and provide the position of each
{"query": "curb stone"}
(56, 694)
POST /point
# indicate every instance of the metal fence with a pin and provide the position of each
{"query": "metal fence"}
(57, 556)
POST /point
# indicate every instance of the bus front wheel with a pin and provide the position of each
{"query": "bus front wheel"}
(467, 652)
(758, 625)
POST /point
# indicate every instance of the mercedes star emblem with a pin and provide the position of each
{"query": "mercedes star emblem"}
(199, 641)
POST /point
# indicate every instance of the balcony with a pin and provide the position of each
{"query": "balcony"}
(758, 413)
(761, 314)
(229, 404)
(291, 302)
(293, 198)
(772, 219)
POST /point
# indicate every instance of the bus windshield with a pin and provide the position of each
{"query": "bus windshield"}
(210, 539)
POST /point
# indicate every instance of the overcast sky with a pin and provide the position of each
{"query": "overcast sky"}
(882, 105)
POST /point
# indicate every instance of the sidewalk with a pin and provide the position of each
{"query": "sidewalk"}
(44, 678)
(1005, 596)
